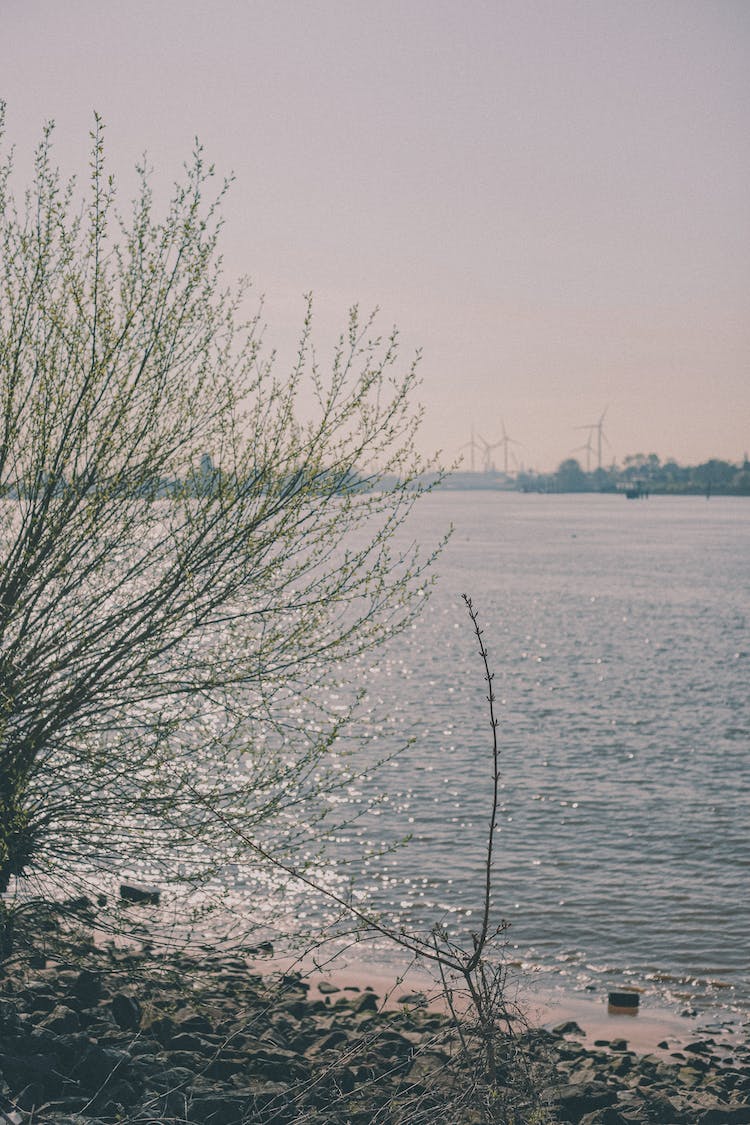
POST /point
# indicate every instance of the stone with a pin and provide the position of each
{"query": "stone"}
(226, 1066)
(263, 949)
(99, 1065)
(327, 1042)
(31, 1097)
(574, 1101)
(162, 1028)
(9, 1020)
(80, 905)
(365, 1002)
(722, 1114)
(126, 1011)
(689, 1076)
(187, 1041)
(137, 893)
(61, 1020)
(413, 999)
(42, 1001)
(217, 1109)
(621, 1066)
(568, 1027)
(275, 1064)
(88, 987)
(194, 1022)
(172, 1078)
(607, 1116)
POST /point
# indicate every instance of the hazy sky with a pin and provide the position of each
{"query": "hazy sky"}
(550, 197)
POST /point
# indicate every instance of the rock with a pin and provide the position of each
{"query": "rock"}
(62, 1020)
(413, 999)
(275, 1064)
(80, 905)
(10, 1112)
(217, 1109)
(135, 892)
(173, 1078)
(30, 1097)
(689, 1076)
(365, 1002)
(624, 999)
(262, 949)
(99, 1065)
(126, 1011)
(162, 1028)
(725, 1115)
(568, 1027)
(325, 988)
(608, 1116)
(576, 1100)
(41, 999)
(390, 1044)
(88, 988)
(9, 1020)
(186, 1041)
(193, 1022)
(660, 1110)
(621, 1066)
(237, 1048)
(327, 1042)
(296, 1008)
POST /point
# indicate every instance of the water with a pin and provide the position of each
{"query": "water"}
(618, 636)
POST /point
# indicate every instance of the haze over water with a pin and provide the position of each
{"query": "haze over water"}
(618, 635)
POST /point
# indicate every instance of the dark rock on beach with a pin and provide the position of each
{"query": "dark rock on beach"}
(134, 892)
(132, 1035)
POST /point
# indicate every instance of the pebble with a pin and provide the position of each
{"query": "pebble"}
(133, 1035)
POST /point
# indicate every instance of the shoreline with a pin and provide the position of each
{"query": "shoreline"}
(645, 1028)
(92, 1034)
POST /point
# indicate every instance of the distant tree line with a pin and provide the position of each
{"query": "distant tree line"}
(646, 473)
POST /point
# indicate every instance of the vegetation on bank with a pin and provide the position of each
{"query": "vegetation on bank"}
(640, 475)
(644, 473)
(168, 655)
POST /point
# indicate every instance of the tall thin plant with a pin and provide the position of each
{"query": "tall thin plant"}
(473, 979)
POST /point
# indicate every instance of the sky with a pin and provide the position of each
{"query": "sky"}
(548, 197)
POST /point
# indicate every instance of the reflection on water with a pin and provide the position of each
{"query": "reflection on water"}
(618, 637)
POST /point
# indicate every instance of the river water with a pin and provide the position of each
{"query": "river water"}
(618, 635)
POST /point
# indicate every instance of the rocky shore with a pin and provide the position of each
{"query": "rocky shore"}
(111, 1034)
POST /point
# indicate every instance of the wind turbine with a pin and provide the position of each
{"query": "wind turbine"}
(488, 448)
(505, 441)
(598, 428)
(472, 446)
(588, 447)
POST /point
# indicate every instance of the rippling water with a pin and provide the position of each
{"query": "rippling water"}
(618, 635)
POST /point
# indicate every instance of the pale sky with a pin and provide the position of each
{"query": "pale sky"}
(549, 197)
